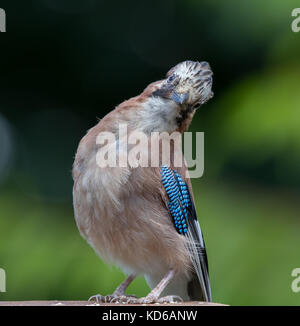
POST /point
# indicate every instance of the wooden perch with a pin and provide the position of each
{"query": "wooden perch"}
(87, 303)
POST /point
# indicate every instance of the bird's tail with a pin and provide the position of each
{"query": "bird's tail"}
(199, 285)
(195, 291)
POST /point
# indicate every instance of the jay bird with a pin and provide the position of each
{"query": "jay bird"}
(143, 219)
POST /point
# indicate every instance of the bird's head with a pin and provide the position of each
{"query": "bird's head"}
(188, 84)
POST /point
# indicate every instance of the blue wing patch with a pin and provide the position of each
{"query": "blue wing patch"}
(183, 213)
(179, 198)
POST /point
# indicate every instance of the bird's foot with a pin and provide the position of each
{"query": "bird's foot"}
(98, 298)
(170, 299)
(111, 298)
(149, 299)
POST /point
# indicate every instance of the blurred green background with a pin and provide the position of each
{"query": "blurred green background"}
(66, 63)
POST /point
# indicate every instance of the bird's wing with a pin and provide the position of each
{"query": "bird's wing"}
(184, 216)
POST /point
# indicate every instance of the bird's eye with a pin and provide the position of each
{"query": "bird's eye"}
(171, 78)
(196, 105)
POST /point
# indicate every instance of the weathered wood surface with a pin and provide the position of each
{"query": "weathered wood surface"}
(87, 303)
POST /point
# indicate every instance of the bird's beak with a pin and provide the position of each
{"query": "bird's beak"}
(179, 98)
(168, 92)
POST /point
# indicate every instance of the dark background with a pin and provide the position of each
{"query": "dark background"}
(66, 63)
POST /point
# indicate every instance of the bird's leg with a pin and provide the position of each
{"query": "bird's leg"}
(119, 292)
(156, 292)
(154, 295)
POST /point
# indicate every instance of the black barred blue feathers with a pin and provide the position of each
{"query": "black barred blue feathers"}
(183, 213)
(179, 198)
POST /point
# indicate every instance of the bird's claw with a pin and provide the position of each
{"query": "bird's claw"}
(111, 298)
(170, 299)
(98, 298)
(147, 300)
(123, 298)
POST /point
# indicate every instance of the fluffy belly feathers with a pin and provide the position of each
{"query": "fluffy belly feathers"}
(126, 223)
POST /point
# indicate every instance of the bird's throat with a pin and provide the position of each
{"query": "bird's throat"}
(184, 118)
